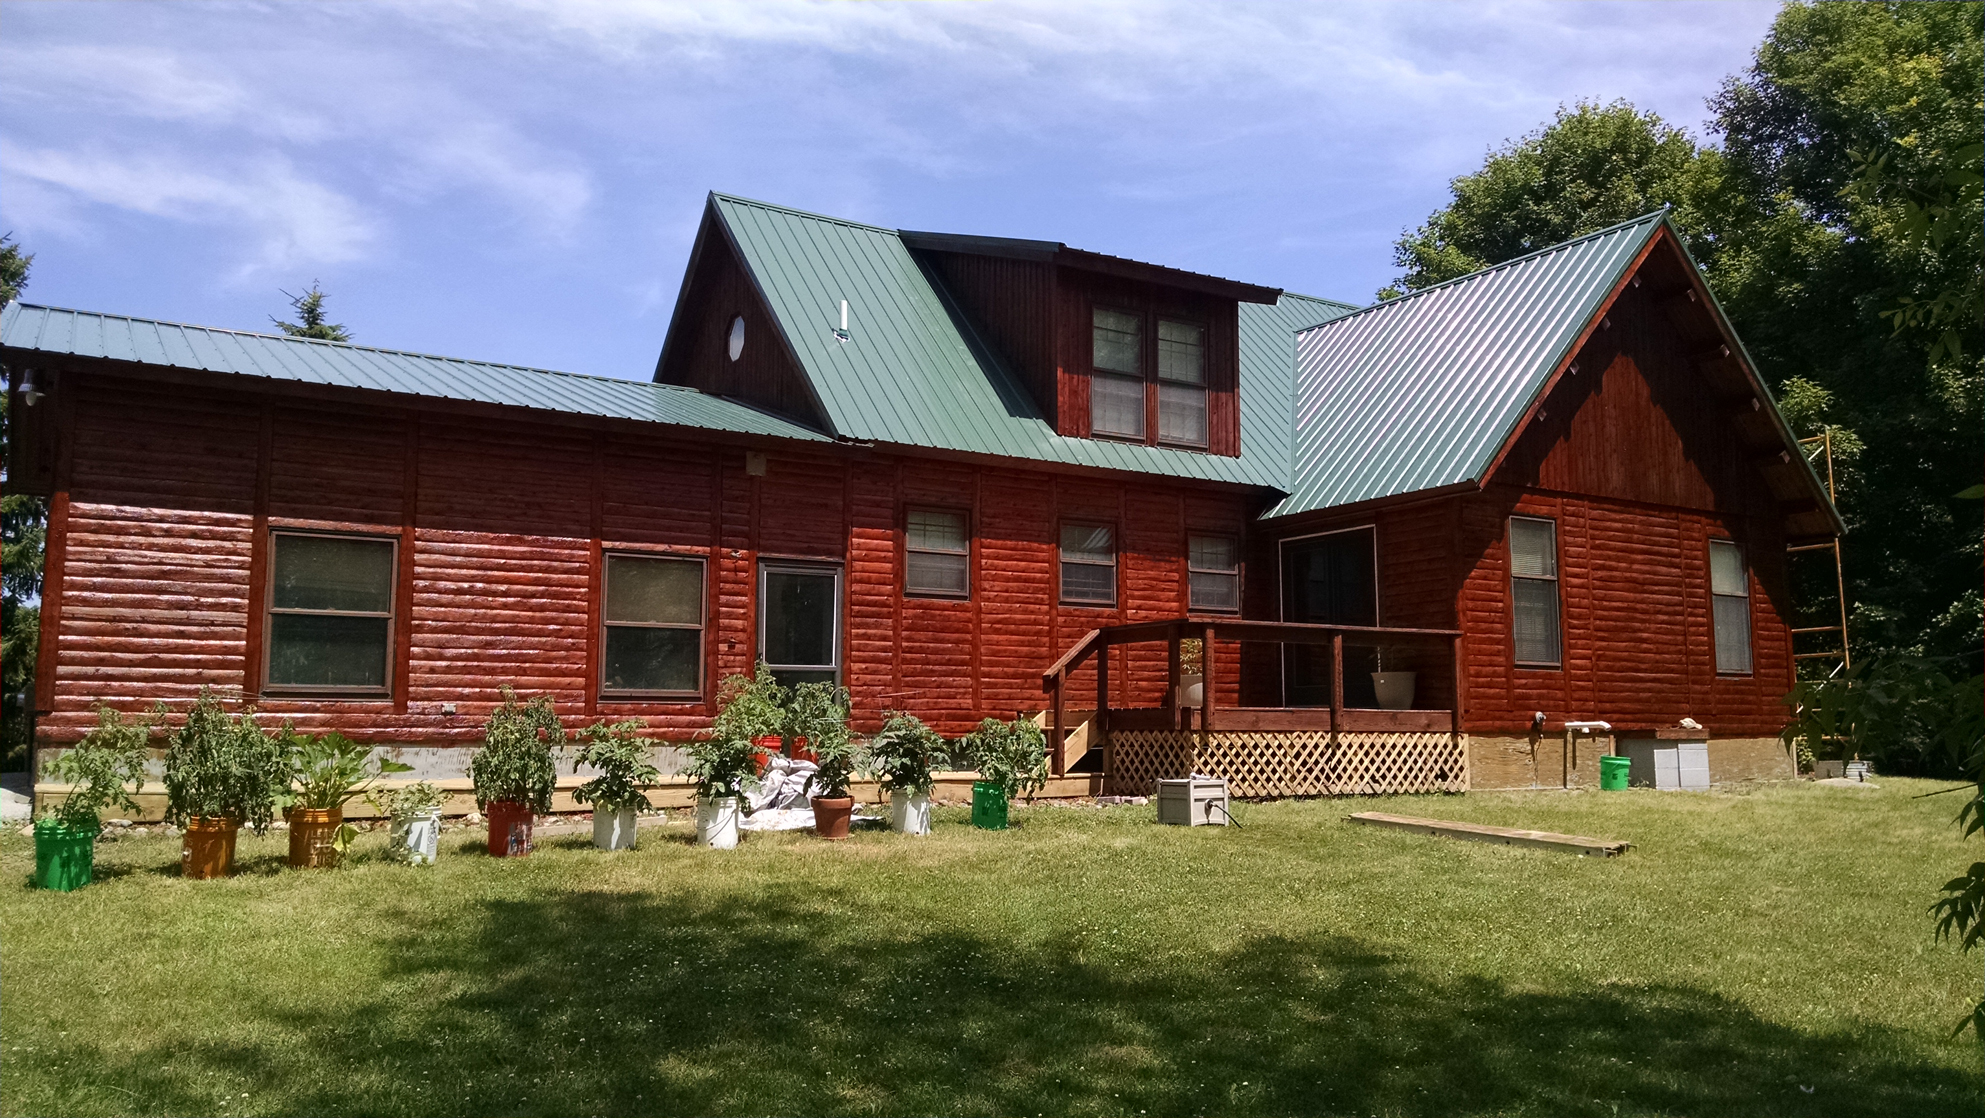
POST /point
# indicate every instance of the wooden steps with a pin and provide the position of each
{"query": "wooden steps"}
(1507, 836)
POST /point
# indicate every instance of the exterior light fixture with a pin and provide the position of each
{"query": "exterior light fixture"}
(30, 391)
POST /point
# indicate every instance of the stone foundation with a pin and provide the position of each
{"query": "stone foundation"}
(1542, 760)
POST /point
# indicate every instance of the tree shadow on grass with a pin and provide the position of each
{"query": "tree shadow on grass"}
(613, 1003)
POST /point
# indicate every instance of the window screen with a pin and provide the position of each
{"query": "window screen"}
(1116, 390)
(937, 554)
(330, 612)
(1181, 383)
(1088, 564)
(1533, 569)
(653, 621)
(1213, 568)
(1730, 602)
(799, 623)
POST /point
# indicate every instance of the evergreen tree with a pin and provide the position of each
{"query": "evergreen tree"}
(310, 323)
(23, 529)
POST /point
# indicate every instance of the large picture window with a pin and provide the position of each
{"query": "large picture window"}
(1116, 390)
(1181, 383)
(1213, 569)
(1730, 604)
(1533, 579)
(937, 554)
(1088, 565)
(331, 613)
(652, 619)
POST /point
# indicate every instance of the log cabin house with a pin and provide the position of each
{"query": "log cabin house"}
(963, 476)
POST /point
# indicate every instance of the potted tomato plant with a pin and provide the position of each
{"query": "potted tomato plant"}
(817, 713)
(98, 770)
(1011, 758)
(616, 755)
(903, 758)
(513, 772)
(221, 772)
(329, 771)
(413, 814)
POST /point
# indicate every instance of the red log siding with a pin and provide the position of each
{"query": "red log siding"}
(1077, 292)
(1010, 300)
(507, 523)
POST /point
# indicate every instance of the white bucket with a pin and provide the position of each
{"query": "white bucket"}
(415, 839)
(1192, 691)
(614, 830)
(1395, 689)
(716, 822)
(909, 815)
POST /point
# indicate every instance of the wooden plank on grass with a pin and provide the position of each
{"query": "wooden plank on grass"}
(1508, 836)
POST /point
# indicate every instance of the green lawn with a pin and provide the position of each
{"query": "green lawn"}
(1758, 952)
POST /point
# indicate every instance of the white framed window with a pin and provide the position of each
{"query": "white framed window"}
(330, 613)
(1730, 607)
(1533, 581)
(1181, 383)
(1213, 572)
(799, 621)
(1088, 565)
(651, 621)
(937, 554)
(1116, 384)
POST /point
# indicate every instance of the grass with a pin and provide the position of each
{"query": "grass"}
(1759, 952)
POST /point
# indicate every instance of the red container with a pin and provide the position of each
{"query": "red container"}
(509, 829)
(768, 746)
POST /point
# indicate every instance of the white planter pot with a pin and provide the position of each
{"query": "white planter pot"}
(1192, 691)
(1395, 689)
(717, 822)
(1858, 770)
(909, 815)
(415, 839)
(614, 830)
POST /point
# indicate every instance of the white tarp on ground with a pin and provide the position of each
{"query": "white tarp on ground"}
(780, 803)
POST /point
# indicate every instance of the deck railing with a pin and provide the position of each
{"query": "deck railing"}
(1098, 645)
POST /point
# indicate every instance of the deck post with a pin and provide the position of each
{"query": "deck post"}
(1454, 659)
(1336, 683)
(1172, 673)
(1205, 689)
(1101, 723)
(1059, 742)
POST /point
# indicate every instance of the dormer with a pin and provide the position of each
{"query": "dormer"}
(1110, 349)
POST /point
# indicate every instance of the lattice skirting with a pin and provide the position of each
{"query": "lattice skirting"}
(1296, 763)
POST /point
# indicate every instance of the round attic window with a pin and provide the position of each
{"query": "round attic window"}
(737, 336)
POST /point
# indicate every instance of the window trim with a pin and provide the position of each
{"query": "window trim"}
(1115, 565)
(1557, 589)
(1750, 616)
(1156, 386)
(1234, 573)
(702, 626)
(270, 612)
(963, 515)
(806, 567)
(1149, 318)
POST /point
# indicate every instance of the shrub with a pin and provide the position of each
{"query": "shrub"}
(905, 753)
(221, 767)
(514, 764)
(1013, 755)
(818, 712)
(616, 752)
(98, 769)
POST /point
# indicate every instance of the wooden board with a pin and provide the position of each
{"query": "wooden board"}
(1508, 836)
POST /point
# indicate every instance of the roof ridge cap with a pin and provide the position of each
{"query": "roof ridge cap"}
(1661, 213)
(350, 345)
(762, 204)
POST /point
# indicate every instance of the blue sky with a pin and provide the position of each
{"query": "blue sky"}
(521, 181)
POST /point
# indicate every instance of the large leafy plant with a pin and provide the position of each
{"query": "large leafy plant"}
(98, 770)
(331, 770)
(1013, 755)
(616, 753)
(515, 763)
(905, 753)
(818, 712)
(219, 766)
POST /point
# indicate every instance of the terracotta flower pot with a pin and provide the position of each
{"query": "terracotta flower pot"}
(313, 834)
(207, 848)
(830, 816)
(509, 829)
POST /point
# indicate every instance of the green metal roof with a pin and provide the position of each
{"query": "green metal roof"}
(307, 360)
(1268, 372)
(1420, 392)
(911, 373)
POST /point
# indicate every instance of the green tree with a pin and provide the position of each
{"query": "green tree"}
(310, 323)
(23, 529)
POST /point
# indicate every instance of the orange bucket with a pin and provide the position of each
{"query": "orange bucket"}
(207, 850)
(509, 829)
(313, 834)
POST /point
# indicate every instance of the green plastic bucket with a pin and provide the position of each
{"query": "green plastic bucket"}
(988, 806)
(1613, 773)
(63, 857)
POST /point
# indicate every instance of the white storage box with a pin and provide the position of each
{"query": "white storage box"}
(1668, 765)
(1193, 802)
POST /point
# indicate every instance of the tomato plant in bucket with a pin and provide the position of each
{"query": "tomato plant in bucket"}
(513, 772)
(98, 769)
(221, 772)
